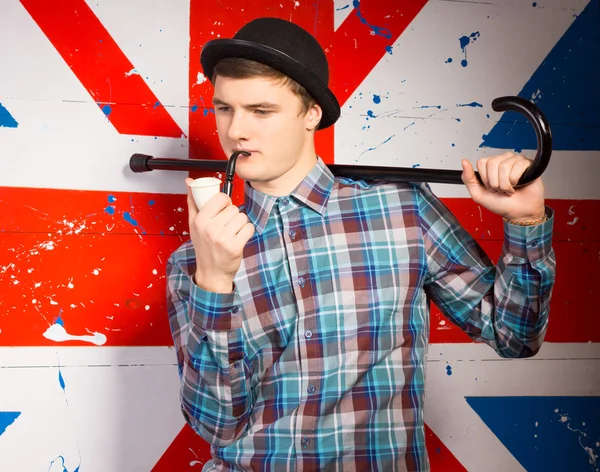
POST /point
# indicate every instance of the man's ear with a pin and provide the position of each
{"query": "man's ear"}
(313, 117)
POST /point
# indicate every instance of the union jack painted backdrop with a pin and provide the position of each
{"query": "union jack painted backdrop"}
(87, 369)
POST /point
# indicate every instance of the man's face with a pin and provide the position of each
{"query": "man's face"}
(264, 117)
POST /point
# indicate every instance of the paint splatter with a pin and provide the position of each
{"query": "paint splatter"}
(449, 60)
(388, 49)
(343, 8)
(375, 29)
(472, 105)
(376, 98)
(106, 109)
(6, 119)
(61, 381)
(370, 114)
(110, 210)
(408, 126)
(57, 333)
(431, 106)
(464, 42)
(112, 199)
(132, 72)
(194, 108)
(151, 202)
(127, 217)
(373, 148)
(448, 370)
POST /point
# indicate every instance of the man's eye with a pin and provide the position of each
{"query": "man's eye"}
(223, 109)
(262, 112)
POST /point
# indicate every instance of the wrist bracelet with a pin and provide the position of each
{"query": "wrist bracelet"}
(527, 223)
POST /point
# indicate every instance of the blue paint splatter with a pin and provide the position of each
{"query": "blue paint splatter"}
(457, 119)
(376, 99)
(151, 202)
(7, 418)
(464, 42)
(61, 381)
(388, 49)
(487, 115)
(6, 119)
(157, 104)
(62, 464)
(373, 148)
(416, 165)
(376, 29)
(567, 87)
(59, 320)
(343, 8)
(449, 60)
(194, 108)
(127, 217)
(448, 370)
(370, 114)
(110, 210)
(534, 4)
(112, 199)
(453, 144)
(107, 110)
(408, 126)
(544, 433)
(439, 107)
(472, 105)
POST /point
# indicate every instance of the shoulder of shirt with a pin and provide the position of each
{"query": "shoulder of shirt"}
(361, 185)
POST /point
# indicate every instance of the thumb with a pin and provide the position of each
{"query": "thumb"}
(469, 178)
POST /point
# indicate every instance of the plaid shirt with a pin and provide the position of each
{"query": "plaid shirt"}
(316, 361)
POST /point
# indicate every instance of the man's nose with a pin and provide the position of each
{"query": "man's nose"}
(239, 126)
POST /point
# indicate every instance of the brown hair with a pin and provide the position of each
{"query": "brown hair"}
(240, 68)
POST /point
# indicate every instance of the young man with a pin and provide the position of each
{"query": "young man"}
(301, 322)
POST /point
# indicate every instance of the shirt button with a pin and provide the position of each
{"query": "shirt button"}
(534, 243)
(293, 234)
(308, 333)
(305, 442)
(236, 364)
(311, 389)
(234, 310)
(301, 282)
(285, 202)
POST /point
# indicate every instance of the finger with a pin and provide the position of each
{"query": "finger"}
(221, 220)
(470, 180)
(216, 204)
(482, 169)
(491, 170)
(244, 234)
(234, 225)
(518, 170)
(504, 171)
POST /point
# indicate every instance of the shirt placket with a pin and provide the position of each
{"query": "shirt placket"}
(310, 361)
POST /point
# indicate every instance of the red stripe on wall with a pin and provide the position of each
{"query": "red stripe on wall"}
(99, 260)
(101, 67)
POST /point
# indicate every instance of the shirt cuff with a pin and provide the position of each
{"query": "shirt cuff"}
(529, 242)
(214, 311)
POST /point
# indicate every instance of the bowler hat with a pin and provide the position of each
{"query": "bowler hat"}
(285, 47)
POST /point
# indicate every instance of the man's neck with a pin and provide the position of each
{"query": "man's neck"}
(285, 184)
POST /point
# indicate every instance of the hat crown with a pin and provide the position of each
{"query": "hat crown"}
(289, 39)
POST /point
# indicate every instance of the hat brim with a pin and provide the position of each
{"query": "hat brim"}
(218, 49)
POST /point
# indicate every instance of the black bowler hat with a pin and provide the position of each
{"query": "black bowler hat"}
(285, 47)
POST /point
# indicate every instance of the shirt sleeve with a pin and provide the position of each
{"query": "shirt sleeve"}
(504, 305)
(208, 338)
